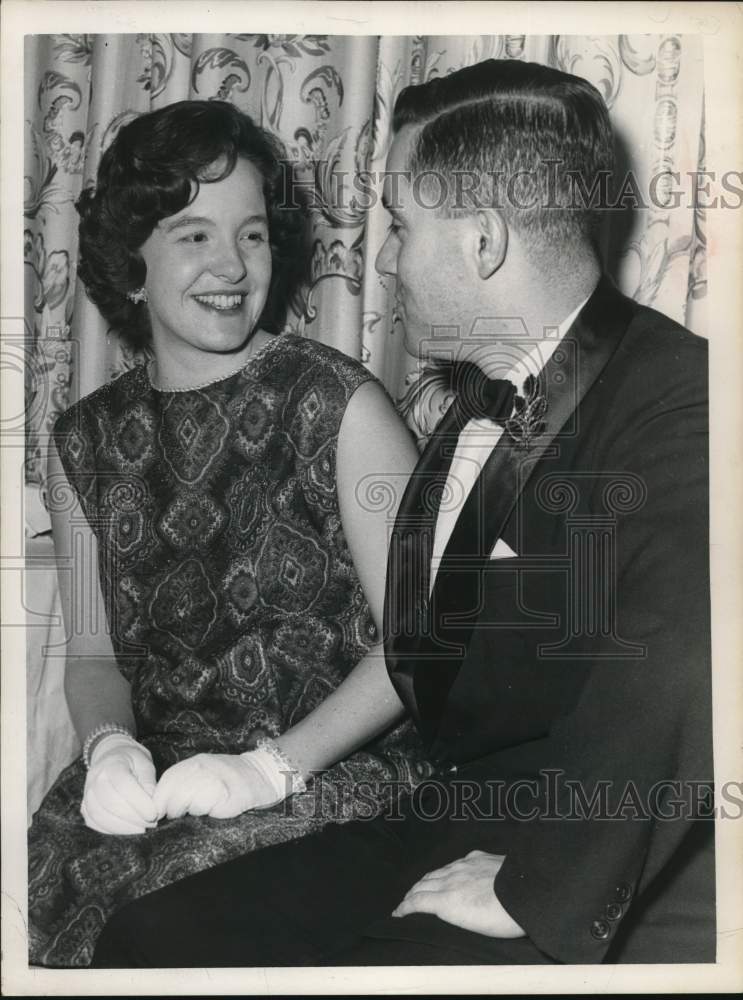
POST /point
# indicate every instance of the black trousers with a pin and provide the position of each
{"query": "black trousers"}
(325, 899)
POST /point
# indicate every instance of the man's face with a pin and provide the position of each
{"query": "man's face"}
(428, 255)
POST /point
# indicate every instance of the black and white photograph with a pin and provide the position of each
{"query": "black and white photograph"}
(371, 445)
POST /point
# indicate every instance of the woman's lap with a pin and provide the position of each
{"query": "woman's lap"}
(78, 879)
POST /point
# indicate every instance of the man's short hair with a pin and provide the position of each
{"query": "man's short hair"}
(526, 138)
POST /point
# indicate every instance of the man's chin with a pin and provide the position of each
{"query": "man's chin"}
(427, 349)
(418, 342)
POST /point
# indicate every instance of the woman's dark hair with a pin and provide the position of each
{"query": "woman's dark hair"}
(152, 170)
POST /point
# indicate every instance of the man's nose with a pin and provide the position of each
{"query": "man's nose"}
(386, 262)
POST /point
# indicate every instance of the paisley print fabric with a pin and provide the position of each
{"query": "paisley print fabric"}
(234, 609)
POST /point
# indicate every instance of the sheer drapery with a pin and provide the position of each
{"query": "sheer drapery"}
(329, 99)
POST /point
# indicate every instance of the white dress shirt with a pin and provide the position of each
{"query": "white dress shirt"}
(476, 441)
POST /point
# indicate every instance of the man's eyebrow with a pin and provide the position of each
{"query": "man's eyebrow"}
(201, 220)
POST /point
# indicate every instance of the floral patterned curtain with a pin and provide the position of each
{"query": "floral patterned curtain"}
(330, 98)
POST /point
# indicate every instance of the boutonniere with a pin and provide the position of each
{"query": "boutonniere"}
(526, 423)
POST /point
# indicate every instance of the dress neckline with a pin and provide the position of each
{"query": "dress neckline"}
(222, 378)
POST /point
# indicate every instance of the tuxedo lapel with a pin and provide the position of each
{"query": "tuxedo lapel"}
(566, 378)
(406, 605)
(426, 642)
(563, 382)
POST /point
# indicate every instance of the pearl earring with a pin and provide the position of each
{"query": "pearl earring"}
(137, 295)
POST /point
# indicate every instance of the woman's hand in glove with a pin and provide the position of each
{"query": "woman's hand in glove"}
(119, 787)
(223, 785)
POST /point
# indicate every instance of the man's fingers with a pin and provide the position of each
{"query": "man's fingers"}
(435, 876)
(462, 894)
(424, 889)
(419, 901)
(431, 889)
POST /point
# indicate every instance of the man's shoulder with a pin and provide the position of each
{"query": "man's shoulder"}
(655, 333)
(657, 352)
(653, 384)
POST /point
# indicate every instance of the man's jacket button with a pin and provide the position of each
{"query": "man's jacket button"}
(623, 892)
(613, 911)
(443, 769)
(600, 930)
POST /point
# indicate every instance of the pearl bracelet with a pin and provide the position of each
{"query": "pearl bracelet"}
(298, 782)
(105, 729)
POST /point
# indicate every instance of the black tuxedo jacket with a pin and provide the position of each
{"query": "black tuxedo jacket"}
(581, 668)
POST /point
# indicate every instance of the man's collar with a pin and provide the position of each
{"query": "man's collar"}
(535, 359)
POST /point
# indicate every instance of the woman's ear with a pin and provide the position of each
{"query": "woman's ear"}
(492, 241)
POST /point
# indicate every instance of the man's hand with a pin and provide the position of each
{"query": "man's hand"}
(119, 787)
(462, 894)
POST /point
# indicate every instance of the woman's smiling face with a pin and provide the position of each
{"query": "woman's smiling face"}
(209, 268)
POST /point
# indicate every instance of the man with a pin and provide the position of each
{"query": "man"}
(547, 607)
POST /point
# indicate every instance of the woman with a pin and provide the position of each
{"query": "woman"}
(220, 492)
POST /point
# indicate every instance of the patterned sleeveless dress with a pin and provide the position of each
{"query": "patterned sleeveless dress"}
(234, 609)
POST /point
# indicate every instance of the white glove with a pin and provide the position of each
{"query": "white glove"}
(119, 787)
(223, 785)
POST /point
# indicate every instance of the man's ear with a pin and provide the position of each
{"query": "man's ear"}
(492, 241)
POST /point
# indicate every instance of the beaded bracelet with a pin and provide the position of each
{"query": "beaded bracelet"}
(104, 729)
(298, 782)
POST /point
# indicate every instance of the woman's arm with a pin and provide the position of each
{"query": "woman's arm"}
(121, 781)
(95, 689)
(373, 446)
(375, 453)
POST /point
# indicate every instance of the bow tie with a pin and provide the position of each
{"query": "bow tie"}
(478, 396)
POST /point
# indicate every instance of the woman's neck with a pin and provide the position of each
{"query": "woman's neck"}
(169, 370)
